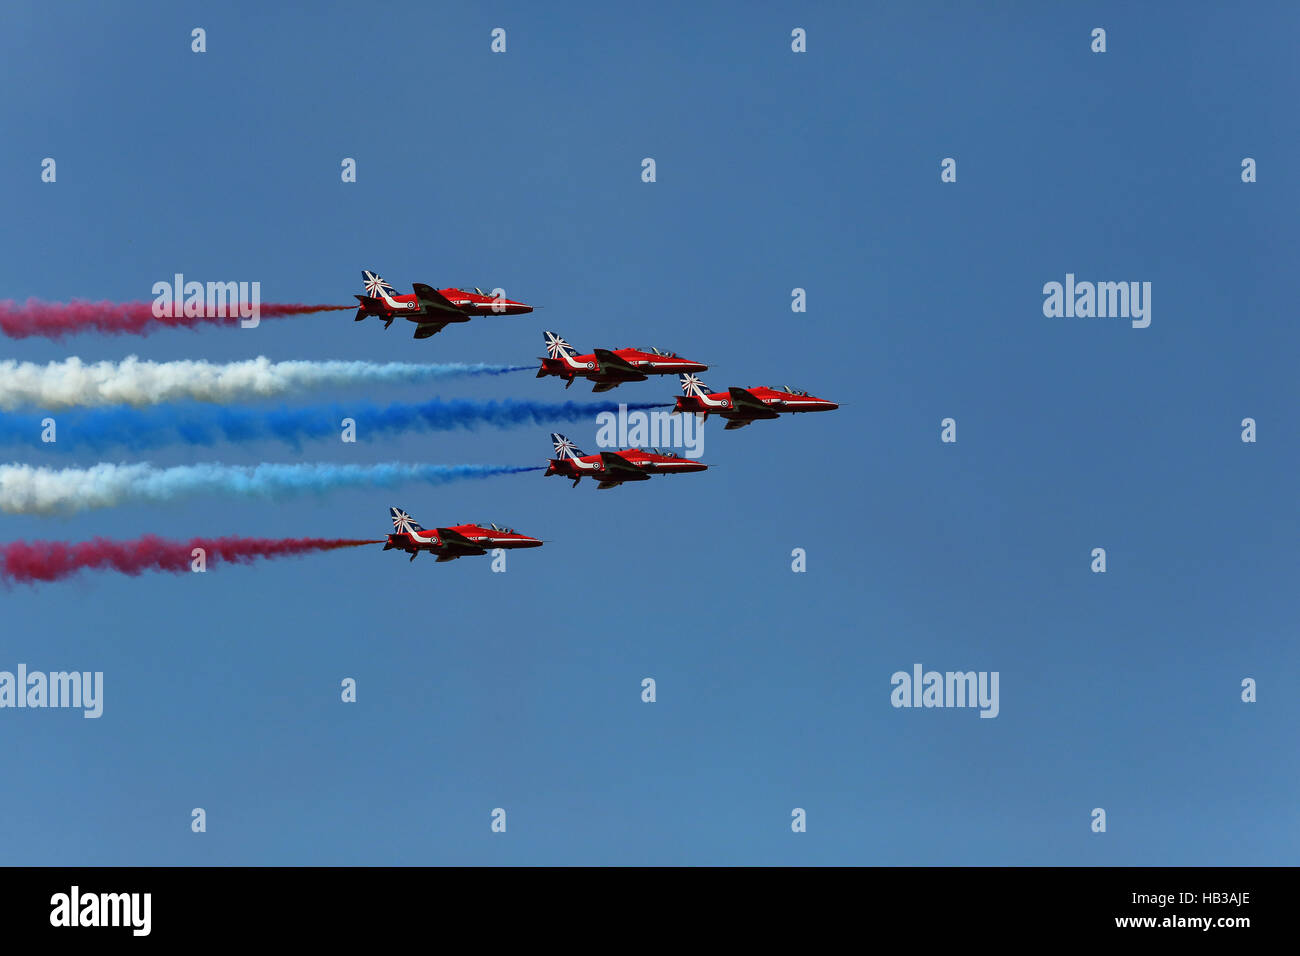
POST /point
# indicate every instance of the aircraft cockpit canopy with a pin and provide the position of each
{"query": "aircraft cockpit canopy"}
(650, 349)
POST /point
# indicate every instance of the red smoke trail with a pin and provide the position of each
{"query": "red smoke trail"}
(57, 319)
(55, 560)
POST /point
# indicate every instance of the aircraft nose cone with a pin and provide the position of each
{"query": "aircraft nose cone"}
(531, 543)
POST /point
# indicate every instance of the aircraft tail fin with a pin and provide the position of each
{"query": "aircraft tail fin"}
(375, 286)
(692, 386)
(403, 523)
(565, 448)
(556, 347)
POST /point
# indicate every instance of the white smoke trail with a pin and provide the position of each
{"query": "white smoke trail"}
(138, 382)
(29, 490)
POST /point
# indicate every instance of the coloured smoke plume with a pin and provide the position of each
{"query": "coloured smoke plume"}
(139, 429)
(54, 320)
(26, 561)
(28, 490)
(71, 382)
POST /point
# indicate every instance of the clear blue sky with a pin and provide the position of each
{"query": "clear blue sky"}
(522, 690)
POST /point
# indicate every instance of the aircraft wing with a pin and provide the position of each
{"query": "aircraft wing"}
(620, 468)
(611, 364)
(426, 329)
(455, 543)
(434, 301)
(743, 400)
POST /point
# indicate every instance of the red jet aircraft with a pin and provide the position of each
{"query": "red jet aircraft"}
(740, 406)
(454, 542)
(610, 369)
(432, 309)
(612, 468)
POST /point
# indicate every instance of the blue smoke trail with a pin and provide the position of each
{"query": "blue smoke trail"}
(137, 429)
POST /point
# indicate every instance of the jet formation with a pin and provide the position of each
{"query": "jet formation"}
(433, 309)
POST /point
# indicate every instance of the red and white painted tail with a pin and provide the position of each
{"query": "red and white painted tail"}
(557, 348)
(378, 299)
(565, 448)
(696, 397)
